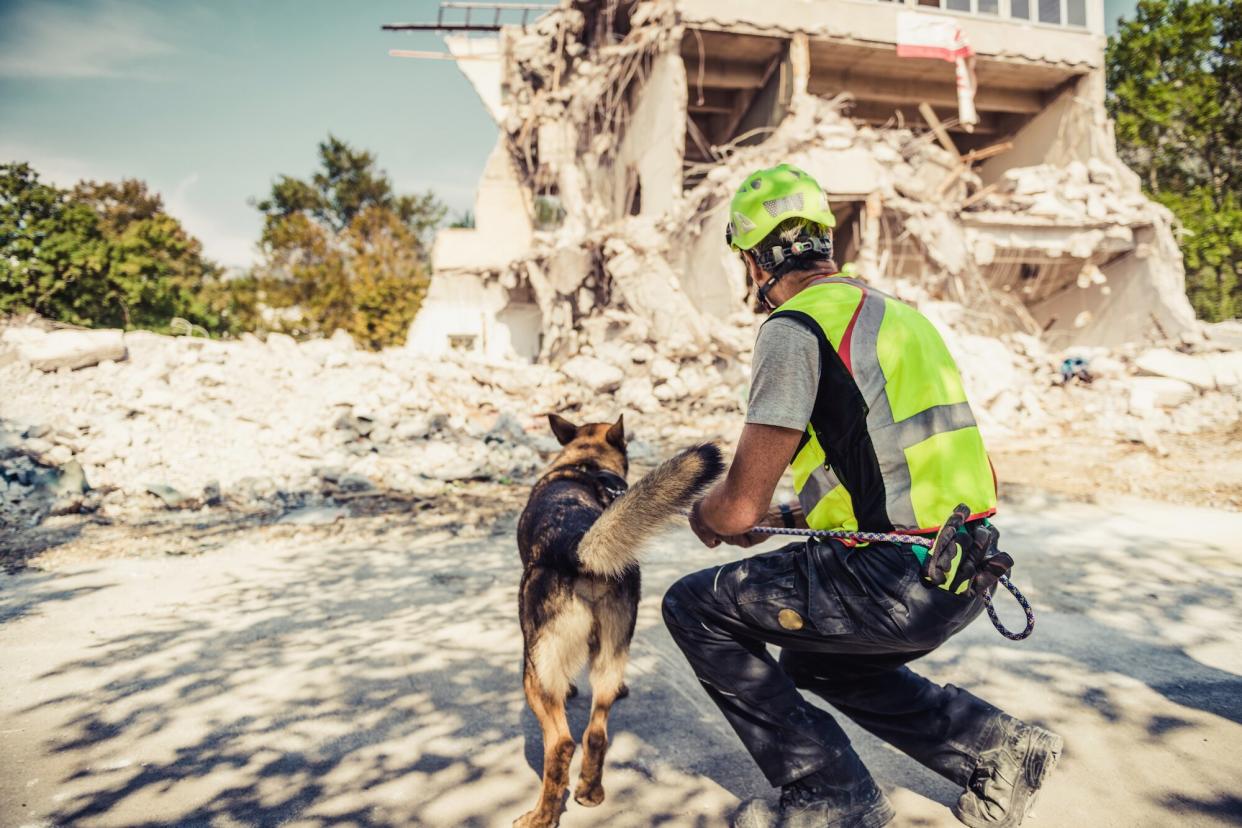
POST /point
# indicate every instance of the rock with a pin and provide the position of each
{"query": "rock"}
(413, 427)
(987, 366)
(442, 461)
(1149, 393)
(1162, 362)
(71, 480)
(59, 455)
(1135, 430)
(663, 369)
(354, 482)
(597, 375)
(73, 349)
(212, 495)
(36, 431)
(636, 393)
(643, 353)
(314, 516)
(506, 429)
(38, 446)
(172, 498)
(1226, 369)
(1227, 333)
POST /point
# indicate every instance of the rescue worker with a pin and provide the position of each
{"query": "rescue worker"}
(858, 395)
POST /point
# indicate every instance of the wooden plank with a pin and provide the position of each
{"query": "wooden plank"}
(942, 134)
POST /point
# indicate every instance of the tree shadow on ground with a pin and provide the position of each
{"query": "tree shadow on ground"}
(345, 676)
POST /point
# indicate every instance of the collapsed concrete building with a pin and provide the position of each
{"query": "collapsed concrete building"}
(625, 128)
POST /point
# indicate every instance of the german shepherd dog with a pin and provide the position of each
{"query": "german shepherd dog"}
(579, 537)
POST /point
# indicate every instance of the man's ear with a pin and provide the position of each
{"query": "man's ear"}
(564, 430)
(616, 433)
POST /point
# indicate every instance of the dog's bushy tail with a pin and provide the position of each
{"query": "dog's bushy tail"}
(613, 543)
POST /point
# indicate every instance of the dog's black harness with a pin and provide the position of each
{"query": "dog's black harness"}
(608, 486)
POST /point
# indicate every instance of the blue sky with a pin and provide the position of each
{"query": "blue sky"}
(208, 101)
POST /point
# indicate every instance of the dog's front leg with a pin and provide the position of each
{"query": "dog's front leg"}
(558, 750)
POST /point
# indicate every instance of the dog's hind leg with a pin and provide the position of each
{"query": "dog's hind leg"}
(608, 661)
(558, 750)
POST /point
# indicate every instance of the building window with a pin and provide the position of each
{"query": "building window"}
(1049, 11)
(1076, 12)
(989, 7)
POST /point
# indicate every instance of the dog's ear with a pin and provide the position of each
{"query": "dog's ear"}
(616, 433)
(564, 430)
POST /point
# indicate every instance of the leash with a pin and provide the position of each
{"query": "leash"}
(889, 537)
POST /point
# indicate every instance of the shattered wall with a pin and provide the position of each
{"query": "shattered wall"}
(626, 127)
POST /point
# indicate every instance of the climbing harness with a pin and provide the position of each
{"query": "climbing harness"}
(891, 537)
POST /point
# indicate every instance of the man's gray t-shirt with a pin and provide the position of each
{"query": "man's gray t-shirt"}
(784, 375)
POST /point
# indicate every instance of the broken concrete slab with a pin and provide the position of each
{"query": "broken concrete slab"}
(594, 373)
(1162, 362)
(1148, 393)
(73, 349)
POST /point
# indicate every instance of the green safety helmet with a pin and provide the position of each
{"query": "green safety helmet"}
(769, 197)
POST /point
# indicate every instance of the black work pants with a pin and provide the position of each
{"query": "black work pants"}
(847, 621)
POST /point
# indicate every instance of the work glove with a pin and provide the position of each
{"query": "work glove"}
(964, 561)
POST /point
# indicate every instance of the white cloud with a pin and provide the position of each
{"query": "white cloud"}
(52, 40)
(230, 246)
(61, 170)
(224, 245)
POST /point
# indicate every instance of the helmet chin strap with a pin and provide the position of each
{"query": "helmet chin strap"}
(765, 288)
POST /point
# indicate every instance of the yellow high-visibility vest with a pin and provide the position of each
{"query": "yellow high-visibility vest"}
(892, 443)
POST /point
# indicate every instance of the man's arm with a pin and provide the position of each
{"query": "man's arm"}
(742, 500)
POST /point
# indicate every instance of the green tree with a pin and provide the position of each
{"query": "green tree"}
(342, 250)
(102, 254)
(1174, 75)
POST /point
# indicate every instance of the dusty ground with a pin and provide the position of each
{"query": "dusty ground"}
(1201, 469)
(366, 673)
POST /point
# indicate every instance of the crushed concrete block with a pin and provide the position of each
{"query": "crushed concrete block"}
(638, 393)
(172, 498)
(1226, 369)
(1150, 393)
(1161, 362)
(1227, 333)
(73, 349)
(314, 516)
(594, 373)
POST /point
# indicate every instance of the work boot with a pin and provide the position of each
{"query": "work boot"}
(1009, 773)
(809, 803)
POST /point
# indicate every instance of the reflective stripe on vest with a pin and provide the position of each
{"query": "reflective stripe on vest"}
(892, 443)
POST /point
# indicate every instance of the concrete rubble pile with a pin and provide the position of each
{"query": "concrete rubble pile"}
(599, 237)
(189, 423)
(597, 281)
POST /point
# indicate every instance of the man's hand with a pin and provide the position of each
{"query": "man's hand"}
(702, 531)
(711, 539)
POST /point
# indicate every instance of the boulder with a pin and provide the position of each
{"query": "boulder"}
(593, 373)
(1226, 369)
(172, 498)
(1161, 362)
(1227, 333)
(73, 349)
(1149, 393)
(636, 393)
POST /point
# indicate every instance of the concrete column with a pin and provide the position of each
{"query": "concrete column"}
(800, 63)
